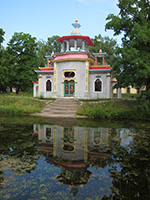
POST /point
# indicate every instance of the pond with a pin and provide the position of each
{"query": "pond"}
(73, 159)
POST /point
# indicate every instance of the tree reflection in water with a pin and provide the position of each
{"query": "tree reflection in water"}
(90, 162)
(132, 179)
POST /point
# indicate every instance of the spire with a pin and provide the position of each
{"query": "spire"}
(76, 26)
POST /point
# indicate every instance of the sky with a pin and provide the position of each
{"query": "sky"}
(46, 18)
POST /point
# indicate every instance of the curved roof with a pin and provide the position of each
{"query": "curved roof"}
(69, 37)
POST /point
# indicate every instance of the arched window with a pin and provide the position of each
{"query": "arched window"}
(128, 90)
(98, 85)
(48, 85)
(48, 133)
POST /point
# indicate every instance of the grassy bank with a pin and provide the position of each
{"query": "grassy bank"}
(113, 110)
(21, 104)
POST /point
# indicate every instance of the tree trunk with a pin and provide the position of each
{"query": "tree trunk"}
(17, 90)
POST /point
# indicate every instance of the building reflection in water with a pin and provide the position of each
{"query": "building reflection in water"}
(74, 149)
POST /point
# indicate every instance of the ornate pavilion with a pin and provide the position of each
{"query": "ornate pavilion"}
(74, 72)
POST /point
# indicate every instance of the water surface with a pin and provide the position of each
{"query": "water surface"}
(73, 159)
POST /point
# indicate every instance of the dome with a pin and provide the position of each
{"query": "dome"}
(75, 32)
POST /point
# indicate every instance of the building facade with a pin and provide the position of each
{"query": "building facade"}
(74, 72)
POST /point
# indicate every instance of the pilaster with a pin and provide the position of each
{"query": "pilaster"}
(86, 79)
(39, 134)
(55, 78)
(85, 145)
(54, 141)
(108, 85)
(40, 85)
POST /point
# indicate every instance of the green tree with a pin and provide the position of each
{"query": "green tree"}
(46, 48)
(106, 45)
(132, 64)
(53, 45)
(22, 60)
(131, 180)
(3, 69)
(41, 52)
(1, 36)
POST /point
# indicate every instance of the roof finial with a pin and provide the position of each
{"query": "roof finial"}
(76, 9)
(76, 26)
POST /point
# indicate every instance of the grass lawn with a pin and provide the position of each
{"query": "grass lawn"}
(127, 96)
(24, 103)
(110, 109)
(20, 104)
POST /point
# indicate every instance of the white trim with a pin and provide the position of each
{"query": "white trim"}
(101, 86)
(51, 85)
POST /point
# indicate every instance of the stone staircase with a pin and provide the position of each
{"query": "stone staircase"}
(61, 108)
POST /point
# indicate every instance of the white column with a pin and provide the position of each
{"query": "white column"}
(75, 45)
(67, 45)
(83, 45)
(62, 47)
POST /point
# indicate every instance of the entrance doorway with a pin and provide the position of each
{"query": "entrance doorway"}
(69, 88)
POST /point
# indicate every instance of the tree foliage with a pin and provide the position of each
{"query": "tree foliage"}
(22, 60)
(3, 69)
(41, 52)
(46, 48)
(106, 45)
(131, 180)
(1, 36)
(132, 64)
(53, 45)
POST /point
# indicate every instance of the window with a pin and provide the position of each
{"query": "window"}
(98, 85)
(48, 85)
(69, 74)
(128, 90)
(97, 137)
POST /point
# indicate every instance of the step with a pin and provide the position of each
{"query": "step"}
(61, 108)
(64, 102)
(62, 113)
(70, 102)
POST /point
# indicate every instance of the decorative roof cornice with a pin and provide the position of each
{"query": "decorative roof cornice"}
(69, 37)
(46, 68)
(99, 70)
(46, 71)
(100, 67)
(74, 59)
